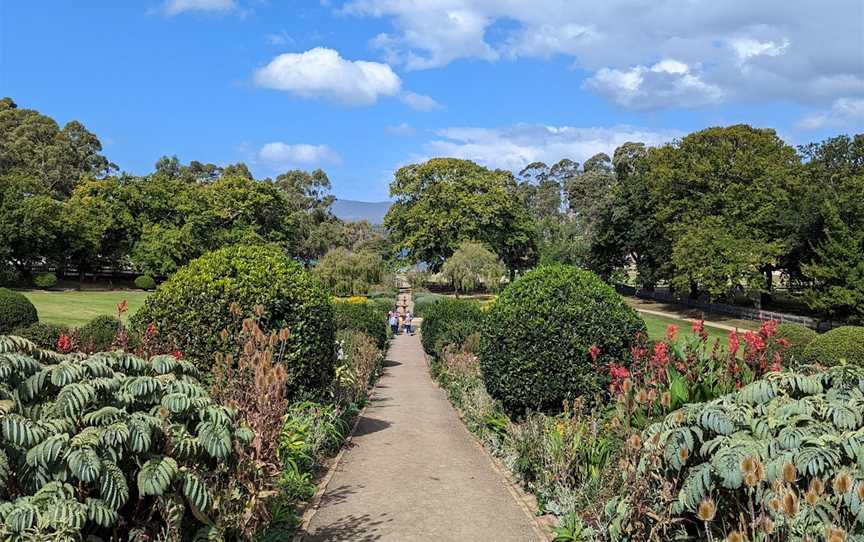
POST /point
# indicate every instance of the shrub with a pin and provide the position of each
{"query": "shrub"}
(45, 281)
(145, 282)
(359, 361)
(98, 334)
(537, 337)
(384, 304)
(43, 335)
(108, 446)
(787, 446)
(797, 337)
(842, 343)
(195, 305)
(449, 321)
(422, 302)
(15, 311)
(365, 317)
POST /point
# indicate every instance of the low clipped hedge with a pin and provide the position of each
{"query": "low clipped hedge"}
(534, 349)
(15, 311)
(365, 317)
(145, 282)
(422, 302)
(45, 281)
(798, 337)
(449, 321)
(842, 343)
(99, 333)
(193, 306)
(43, 335)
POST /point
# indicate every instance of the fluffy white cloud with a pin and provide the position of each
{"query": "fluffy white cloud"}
(175, 7)
(279, 155)
(516, 146)
(419, 102)
(322, 73)
(668, 82)
(844, 112)
(750, 51)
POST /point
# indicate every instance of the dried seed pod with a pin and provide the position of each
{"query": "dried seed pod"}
(707, 509)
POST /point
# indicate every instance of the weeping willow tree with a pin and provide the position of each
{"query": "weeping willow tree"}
(351, 273)
(473, 266)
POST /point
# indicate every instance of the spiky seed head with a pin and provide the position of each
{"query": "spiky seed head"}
(817, 485)
(790, 504)
(842, 483)
(707, 510)
(259, 310)
(683, 454)
(767, 525)
(835, 534)
(735, 536)
(790, 473)
(748, 465)
(811, 497)
(775, 504)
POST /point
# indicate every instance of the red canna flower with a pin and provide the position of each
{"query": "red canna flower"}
(64, 344)
(699, 329)
(122, 307)
(594, 352)
(734, 343)
(178, 355)
(671, 333)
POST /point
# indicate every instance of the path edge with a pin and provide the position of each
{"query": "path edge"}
(315, 502)
(526, 501)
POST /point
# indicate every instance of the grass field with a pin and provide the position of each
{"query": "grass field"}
(657, 328)
(74, 308)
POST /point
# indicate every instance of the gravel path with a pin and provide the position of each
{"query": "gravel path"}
(413, 472)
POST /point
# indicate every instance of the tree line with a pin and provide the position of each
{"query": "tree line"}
(722, 211)
(64, 205)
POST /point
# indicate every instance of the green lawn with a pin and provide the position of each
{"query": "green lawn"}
(657, 328)
(74, 307)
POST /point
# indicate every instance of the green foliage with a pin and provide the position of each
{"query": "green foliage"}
(194, 306)
(15, 310)
(350, 273)
(366, 317)
(831, 348)
(473, 266)
(792, 429)
(45, 281)
(98, 334)
(797, 337)
(449, 321)
(536, 338)
(95, 445)
(445, 201)
(41, 334)
(145, 282)
(423, 301)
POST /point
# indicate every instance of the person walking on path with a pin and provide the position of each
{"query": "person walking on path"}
(394, 322)
(409, 318)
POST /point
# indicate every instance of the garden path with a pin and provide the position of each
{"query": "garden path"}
(413, 472)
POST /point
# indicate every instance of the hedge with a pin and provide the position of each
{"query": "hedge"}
(449, 321)
(43, 335)
(99, 333)
(842, 343)
(193, 307)
(534, 350)
(798, 337)
(422, 302)
(365, 317)
(15, 311)
(145, 282)
(45, 281)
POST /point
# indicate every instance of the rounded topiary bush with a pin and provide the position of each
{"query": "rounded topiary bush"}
(449, 321)
(842, 343)
(798, 337)
(45, 280)
(15, 311)
(145, 282)
(99, 333)
(193, 306)
(534, 350)
(365, 317)
(44, 335)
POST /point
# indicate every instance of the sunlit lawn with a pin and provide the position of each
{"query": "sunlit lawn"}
(657, 328)
(74, 308)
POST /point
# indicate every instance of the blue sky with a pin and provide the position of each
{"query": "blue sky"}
(362, 87)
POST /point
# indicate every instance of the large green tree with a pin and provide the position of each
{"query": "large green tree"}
(444, 201)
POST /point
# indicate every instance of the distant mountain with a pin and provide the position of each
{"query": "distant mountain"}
(351, 210)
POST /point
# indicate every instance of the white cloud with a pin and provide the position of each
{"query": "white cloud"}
(176, 7)
(322, 73)
(844, 112)
(668, 83)
(278, 154)
(402, 129)
(514, 147)
(750, 51)
(419, 102)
